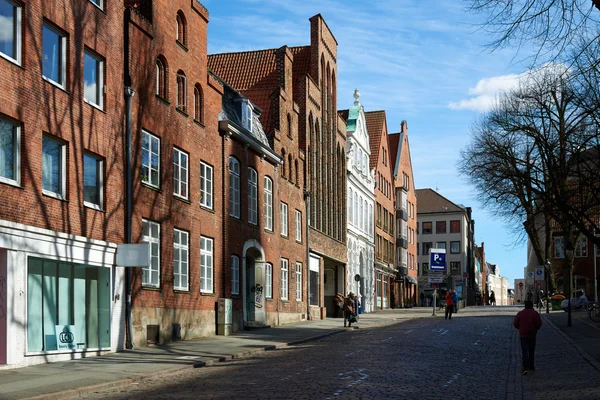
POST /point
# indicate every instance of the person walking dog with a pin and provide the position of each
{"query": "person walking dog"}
(528, 322)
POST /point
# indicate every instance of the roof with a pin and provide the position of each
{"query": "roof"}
(343, 114)
(375, 126)
(254, 74)
(430, 201)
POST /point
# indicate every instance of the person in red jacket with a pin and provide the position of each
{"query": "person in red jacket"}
(449, 304)
(528, 322)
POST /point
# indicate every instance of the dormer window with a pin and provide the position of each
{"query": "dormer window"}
(247, 110)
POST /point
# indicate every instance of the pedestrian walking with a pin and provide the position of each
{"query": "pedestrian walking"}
(422, 297)
(492, 299)
(393, 299)
(455, 299)
(449, 305)
(528, 322)
(349, 310)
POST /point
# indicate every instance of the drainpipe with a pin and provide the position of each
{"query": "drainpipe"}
(129, 93)
(224, 214)
(307, 202)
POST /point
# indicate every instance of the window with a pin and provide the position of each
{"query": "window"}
(252, 196)
(425, 270)
(440, 245)
(298, 281)
(284, 279)
(181, 29)
(54, 169)
(181, 91)
(440, 227)
(427, 228)
(247, 111)
(206, 265)
(10, 152)
(455, 247)
(284, 219)
(180, 259)
(10, 40)
(582, 247)
(426, 247)
(298, 226)
(268, 203)
(370, 228)
(198, 104)
(234, 187)
(355, 208)
(455, 226)
(161, 78)
(235, 274)
(150, 159)
(93, 181)
(268, 281)
(180, 173)
(350, 207)
(93, 79)
(151, 235)
(206, 185)
(54, 55)
(361, 213)
(455, 267)
(98, 3)
(559, 247)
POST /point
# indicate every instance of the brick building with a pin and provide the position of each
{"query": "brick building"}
(296, 86)
(406, 218)
(61, 179)
(381, 161)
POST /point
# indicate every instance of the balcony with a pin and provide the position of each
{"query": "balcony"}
(404, 214)
(402, 242)
(402, 271)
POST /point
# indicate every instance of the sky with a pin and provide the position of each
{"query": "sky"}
(421, 61)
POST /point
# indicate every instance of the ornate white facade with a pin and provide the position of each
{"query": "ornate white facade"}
(361, 199)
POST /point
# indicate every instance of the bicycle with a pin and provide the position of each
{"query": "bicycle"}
(593, 309)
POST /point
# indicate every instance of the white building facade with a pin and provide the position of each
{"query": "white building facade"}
(361, 199)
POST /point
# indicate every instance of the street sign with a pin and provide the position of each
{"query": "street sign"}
(529, 277)
(435, 277)
(539, 285)
(437, 259)
(539, 273)
(466, 275)
(520, 284)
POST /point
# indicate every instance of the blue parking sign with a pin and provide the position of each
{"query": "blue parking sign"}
(437, 259)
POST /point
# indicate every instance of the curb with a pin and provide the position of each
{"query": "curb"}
(128, 381)
(586, 356)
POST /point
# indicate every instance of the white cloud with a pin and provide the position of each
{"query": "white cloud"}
(6, 28)
(486, 92)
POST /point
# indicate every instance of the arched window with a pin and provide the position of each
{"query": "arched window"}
(198, 103)
(283, 175)
(181, 91)
(161, 78)
(268, 203)
(181, 28)
(289, 125)
(234, 187)
(290, 168)
(252, 196)
(296, 172)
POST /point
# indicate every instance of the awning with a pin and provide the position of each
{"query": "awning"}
(410, 279)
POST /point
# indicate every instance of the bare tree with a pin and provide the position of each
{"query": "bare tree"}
(553, 26)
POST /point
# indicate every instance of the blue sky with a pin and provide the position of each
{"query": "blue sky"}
(421, 61)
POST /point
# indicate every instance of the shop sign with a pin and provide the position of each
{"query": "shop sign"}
(65, 337)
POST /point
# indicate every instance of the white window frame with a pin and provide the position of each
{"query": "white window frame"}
(298, 281)
(99, 181)
(284, 219)
(183, 180)
(247, 111)
(268, 281)
(298, 226)
(206, 264)
(62, 57)
(437, 245)
(18, 33)
(181, 243)
(284, 279)
(62, 193)
(559, 247)
(581, 250)
(268, 203)
(148, 162)
(16, 138)
(234, 187)
(350, 216)
(151, 240)
(206, 185)
(252, 196)
(235, 274)
(99, 4)
(99, 82)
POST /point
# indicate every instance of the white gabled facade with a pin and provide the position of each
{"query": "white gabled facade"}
(361, 199)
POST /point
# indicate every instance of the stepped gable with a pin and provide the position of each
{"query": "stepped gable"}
(430, 201)
(375, 126)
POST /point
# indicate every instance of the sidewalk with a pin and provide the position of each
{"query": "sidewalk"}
(69, 378)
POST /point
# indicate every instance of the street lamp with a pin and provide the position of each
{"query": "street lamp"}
(546, 272)
(569, 249)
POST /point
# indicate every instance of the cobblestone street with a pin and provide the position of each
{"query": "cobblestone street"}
(476, 355)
